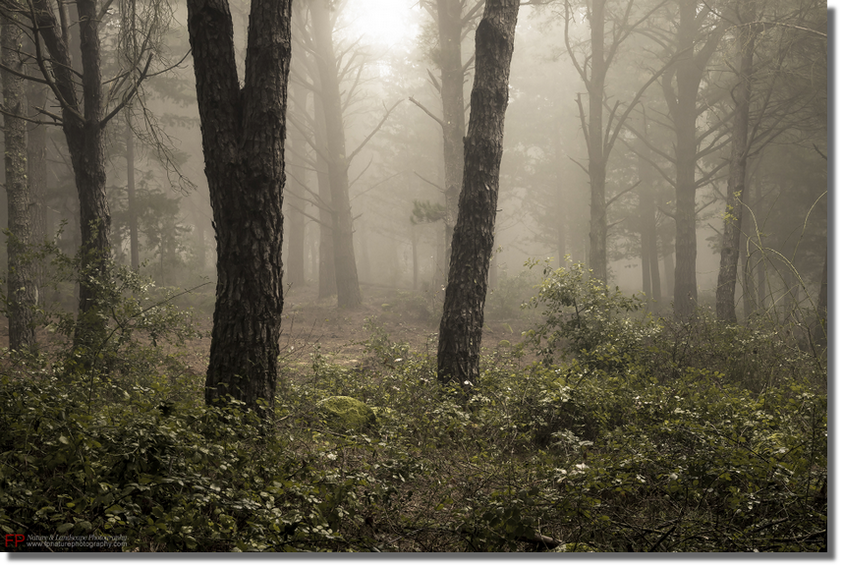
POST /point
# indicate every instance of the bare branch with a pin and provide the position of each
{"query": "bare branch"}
(429, 113)
(373, 132)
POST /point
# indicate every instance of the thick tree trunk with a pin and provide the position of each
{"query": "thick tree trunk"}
(460, 332)
(726, 309)
(347, 281)
(243, 141)
(21, 285)
(453, 110)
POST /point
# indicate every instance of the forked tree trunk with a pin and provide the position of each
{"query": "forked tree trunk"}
(243, 142)
(84, 130)
(460, 332)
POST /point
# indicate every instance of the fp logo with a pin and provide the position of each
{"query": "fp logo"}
(12, 540)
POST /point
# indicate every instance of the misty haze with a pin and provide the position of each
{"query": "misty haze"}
(414, 276)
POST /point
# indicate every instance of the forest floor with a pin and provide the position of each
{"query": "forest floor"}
(342, 336)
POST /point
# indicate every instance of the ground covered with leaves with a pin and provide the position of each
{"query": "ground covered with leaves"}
(604, 429)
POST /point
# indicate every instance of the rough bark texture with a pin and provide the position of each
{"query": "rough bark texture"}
(243, 141)
(460, 333)
(345, 265)
(726, 285)
(21, 285)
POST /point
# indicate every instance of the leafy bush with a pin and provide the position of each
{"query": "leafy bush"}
(585, 319)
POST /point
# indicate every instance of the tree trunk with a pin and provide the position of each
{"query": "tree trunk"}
(347, 281)
(36, 164)
(294, 193)
(726, 309)
(453, 110)
(460, 332)
(688, 71)
(327, 266)
(21, 285)
(597, 253)
(243, 133)
(134, 247)
(83, 126)
(820, 326)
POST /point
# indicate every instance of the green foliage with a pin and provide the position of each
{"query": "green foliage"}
(659, 447)
(585, 319)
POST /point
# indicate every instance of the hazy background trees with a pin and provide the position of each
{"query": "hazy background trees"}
(642, 197)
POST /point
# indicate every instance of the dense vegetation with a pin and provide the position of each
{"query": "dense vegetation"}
(606, 429)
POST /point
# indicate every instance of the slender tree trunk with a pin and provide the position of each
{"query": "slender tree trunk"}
(84, 131)
(347, 281)
(243, 133)
(36, 164)
(726, 309)
(688, 71)
(648, 224)
(460, 332)
(294, 194)
(820, 326)
(453, 110)
(134, 246)
(327, 265)
(598, 252)
(21, 285)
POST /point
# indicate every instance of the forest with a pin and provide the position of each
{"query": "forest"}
(414, 276)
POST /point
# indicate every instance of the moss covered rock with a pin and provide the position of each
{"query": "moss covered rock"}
(347, 413)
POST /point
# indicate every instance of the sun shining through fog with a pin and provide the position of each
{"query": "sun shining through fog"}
(386, 23)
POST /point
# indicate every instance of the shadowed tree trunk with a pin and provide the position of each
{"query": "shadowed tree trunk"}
(243, 133)
(726, 286)
(460, 332)
(21, 285)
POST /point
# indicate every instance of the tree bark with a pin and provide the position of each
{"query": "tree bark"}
(243, 133)
(460, 332)
(726, 309)
(21, 285)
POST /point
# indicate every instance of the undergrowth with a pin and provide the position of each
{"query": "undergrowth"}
(692, 437)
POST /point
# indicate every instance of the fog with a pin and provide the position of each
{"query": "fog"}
(388, 67)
